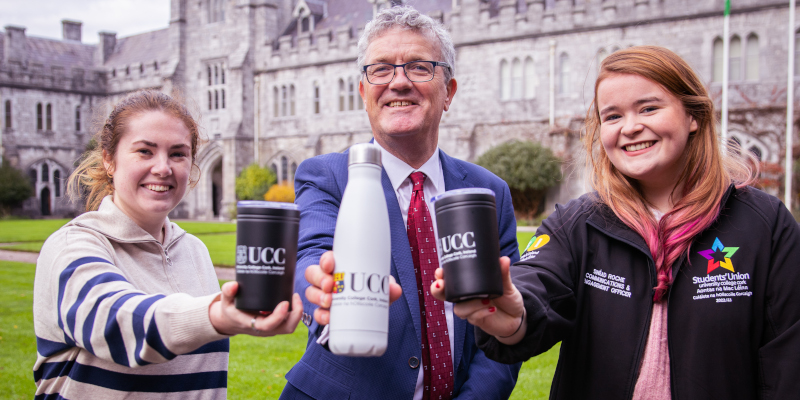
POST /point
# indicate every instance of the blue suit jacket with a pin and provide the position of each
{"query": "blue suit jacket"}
(320, 184)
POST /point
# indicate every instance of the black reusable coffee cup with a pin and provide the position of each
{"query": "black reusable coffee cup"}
(266, 253)
(469, 244)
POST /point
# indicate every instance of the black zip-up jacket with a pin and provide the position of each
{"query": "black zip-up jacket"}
(733, 309)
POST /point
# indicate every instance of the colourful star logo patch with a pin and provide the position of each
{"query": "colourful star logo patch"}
(719, 256)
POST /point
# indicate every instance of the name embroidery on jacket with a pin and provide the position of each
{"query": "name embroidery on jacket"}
(608, 282)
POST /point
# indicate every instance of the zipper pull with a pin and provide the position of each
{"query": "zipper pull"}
(169, 260)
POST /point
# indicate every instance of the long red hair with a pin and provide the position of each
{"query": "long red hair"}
(705, 177)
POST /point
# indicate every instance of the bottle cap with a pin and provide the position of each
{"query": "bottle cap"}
(364, 153)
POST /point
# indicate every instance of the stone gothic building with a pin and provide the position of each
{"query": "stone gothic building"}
(275, 81)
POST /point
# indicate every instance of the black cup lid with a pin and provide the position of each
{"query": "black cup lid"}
(467, 194)
(260, 207)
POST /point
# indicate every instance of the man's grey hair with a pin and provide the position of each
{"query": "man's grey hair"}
(408, 18)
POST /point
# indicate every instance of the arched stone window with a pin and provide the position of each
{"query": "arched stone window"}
(517, 84)
(222, 92)
(796, 53)
(275, 101)
(49, 116)
(45, 173)
(8, 113)
(216, 75)
(351, 94)
(284, 169)
(735, 72)
(57, 182)
(505, 80)
(564, 74)
(341, 95)
(216, 100)
(222, 74)
(210, 82)
(78, 118)
(316, 98)
(751, 58)
(291, 100)
(284, 100)
(210, 101)
(39, 117)
(530, 78)
(718, 59)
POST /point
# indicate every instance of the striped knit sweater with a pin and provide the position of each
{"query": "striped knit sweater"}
(119, 315)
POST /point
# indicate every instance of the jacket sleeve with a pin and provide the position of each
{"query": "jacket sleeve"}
(507, 227)
(779, 363)
(544, 278)
(317, 195)
(96, 308)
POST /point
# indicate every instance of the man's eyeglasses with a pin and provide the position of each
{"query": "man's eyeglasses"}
(416, 71)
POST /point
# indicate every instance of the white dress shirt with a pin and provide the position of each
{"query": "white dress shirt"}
(398, 172)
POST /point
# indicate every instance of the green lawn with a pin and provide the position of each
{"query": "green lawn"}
(257, 365)
(29, 235)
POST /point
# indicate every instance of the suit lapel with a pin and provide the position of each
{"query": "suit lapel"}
(455, 178)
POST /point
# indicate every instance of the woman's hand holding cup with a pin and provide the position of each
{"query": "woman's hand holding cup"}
(228, 320)
(502, 317)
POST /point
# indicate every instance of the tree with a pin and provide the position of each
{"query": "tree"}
(529, 169)
(280, 193)
(14, 188)
(253, 182)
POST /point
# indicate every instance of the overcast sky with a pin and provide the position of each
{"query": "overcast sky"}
(42, 18)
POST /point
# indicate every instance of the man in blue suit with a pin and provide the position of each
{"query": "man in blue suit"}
(407, 62)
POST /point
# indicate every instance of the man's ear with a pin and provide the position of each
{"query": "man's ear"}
(361, 92)
(451, 87)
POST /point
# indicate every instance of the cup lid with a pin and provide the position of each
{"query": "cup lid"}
(457, 192)
(267, 204)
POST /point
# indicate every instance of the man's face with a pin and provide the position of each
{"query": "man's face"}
(401, 108)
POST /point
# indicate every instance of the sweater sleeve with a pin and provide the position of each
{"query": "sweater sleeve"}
(96, 308)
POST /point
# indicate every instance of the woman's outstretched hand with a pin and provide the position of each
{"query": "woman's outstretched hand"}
(503, 317)
(228, 320)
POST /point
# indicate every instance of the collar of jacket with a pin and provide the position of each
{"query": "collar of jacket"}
(111, 222)
(603, 219)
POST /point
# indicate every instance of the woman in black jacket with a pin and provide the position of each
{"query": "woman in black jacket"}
(674, 279)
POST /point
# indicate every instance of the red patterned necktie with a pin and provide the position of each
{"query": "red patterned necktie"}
(436, 358)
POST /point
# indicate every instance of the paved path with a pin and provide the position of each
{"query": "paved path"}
(226, 274)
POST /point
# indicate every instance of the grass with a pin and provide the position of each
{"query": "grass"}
(257, 365)
(17, 341)
(29, 235)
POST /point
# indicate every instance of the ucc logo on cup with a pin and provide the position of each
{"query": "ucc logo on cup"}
(257, 255)
(458, 241)
(360, 281)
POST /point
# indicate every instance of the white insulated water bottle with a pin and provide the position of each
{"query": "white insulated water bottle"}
(359, 324)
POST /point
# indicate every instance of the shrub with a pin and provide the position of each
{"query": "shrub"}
(15, 188)
(253, 182)
(281, 193)
(529, 169)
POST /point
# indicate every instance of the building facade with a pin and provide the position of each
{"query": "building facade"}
(275, 81)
